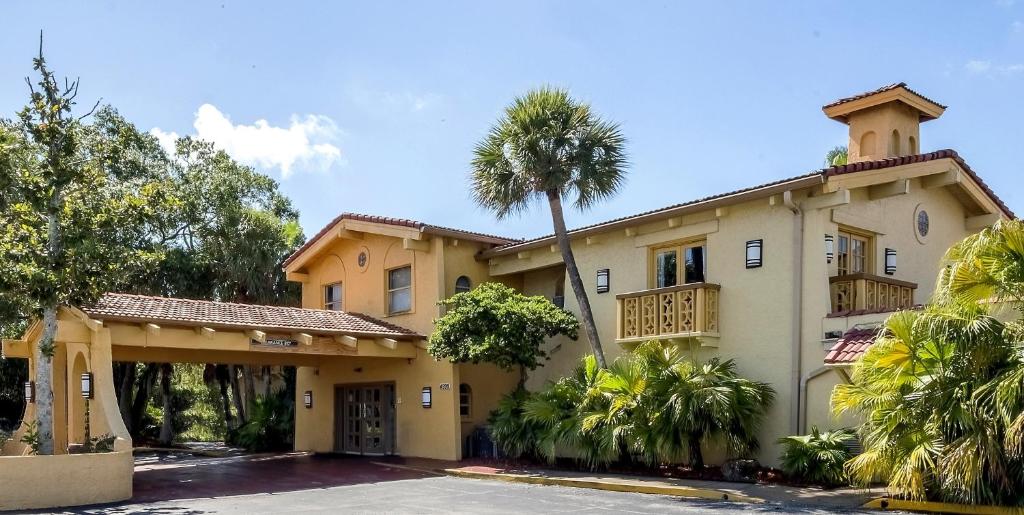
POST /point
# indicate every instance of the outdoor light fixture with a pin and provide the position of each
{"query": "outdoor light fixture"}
(754, 248)
(87, 392)
(426, 397)
(30, 392)
(890, 261)
(603, 280)
(307, 399)
(830, 248)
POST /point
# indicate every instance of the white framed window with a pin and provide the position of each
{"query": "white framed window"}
(399, 290)
(465, 400)
(332, 297)
(463, 284)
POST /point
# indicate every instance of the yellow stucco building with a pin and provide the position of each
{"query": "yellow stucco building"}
(788, 278)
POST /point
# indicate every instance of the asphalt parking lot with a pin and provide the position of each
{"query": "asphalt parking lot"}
(184, 485)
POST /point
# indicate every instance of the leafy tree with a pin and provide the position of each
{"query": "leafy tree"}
(941, 391)
(837, 156)
(818, 457)
(496, 324)
(550, 146)
(70, 223)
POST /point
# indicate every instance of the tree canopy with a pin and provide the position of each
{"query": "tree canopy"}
(496, 324)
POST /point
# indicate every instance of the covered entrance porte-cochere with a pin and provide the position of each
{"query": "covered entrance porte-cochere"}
(364, 419)
(135, 328)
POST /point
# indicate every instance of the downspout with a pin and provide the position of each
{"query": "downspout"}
(803, 395)
(796, 348)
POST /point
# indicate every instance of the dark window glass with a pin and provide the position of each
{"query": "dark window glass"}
(665, 263)
(695, 264)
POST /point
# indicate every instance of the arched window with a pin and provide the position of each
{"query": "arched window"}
(465, 400)
(867, 143)
(913, 145)
(894, 143)
(463, 284)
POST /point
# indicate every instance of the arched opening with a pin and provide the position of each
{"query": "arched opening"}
(463, 284)
(913, 145)
(894, 143)
(867, 143)
(465, 401)
(77, 408)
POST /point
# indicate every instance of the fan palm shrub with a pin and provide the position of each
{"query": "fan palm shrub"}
(941, 390)
(652, 406)
(818, 457)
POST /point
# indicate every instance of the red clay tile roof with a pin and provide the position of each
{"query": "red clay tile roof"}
(882, 89)
(402, 222)
(852, 345)
(140, 308)
(823, 173)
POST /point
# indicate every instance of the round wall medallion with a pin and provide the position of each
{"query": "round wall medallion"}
(363, 259)
(922, 224)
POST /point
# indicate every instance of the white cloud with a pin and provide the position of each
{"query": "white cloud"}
(306, 143)
(979, 67)
(389, 102)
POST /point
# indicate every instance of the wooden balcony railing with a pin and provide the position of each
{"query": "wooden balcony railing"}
(673, 312)
(856, 292)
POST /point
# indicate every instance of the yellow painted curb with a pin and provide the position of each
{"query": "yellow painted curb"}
(940, 507)
(623, 486)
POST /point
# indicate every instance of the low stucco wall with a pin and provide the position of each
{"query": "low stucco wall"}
(32, 482)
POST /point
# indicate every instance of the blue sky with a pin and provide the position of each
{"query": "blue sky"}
(375, 106)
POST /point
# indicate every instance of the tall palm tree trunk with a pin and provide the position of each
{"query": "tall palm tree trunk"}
(573, 272)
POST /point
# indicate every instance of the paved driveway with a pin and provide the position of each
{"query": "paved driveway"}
(177, 485)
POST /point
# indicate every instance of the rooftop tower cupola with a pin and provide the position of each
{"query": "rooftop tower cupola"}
(885, 122)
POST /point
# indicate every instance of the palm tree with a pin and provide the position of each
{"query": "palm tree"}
(548, 145)
(837, 156)
(941, 390)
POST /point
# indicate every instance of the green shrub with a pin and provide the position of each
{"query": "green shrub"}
(31, 436)
(817, 458)
(514, 434)
(652, 405)
(270, 425)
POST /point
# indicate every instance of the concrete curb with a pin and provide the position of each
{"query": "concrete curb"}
(195, 452)
(883, 503)
(626, 485)
(407, 467)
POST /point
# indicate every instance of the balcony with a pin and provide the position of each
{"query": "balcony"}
(856, 293)
(686, 311)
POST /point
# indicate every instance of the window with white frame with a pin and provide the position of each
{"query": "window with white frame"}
(332, 297)
(399, 290)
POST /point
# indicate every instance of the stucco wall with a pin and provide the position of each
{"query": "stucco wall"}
(420, 432)
(33, 482)
(893, 222)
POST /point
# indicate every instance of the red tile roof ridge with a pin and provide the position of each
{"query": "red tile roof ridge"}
(402, 222)
(882, 89)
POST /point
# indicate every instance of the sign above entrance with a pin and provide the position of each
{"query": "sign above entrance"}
(276, 342)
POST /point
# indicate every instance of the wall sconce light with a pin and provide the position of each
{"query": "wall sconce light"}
(426, 397)
(307, 399)
(830, 248)
(87, 387)
(754, 253)
(30, 392)
(603, 280)
(890, 261)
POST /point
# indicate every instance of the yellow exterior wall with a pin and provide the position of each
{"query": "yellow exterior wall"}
(422, 432)
(488, 385)
(35, 482)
